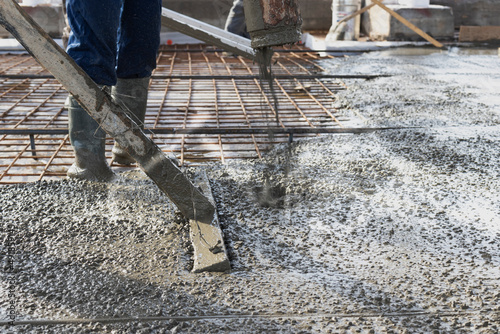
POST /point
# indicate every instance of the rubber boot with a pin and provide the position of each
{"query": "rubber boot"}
(88, 141)
(132, 96)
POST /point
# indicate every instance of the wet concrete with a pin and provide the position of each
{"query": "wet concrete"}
(393, 231)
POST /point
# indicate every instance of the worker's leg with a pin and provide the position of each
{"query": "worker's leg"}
(138, 42)
(132, 96)
(235, 22)
(138, 38)
(92, 44)
(92, 41)
(88, 141)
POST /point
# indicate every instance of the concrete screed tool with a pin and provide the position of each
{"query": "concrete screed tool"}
(269, 22)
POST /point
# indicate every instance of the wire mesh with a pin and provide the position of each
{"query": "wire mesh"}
(193, 87)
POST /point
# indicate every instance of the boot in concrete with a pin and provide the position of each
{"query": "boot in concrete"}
(132, 96)
(88, 141)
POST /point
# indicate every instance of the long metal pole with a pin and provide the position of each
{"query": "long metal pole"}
(207, 33)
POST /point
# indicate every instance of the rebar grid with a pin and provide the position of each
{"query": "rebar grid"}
(193, 87)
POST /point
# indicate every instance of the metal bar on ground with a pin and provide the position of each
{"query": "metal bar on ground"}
(322, 69)
(5, 112)
(294, 103)
(223, 77)
(13, 162)
(218, 131)
(47, 165)
(186, 109)
(32, 145)
(171, 68)
(15, 64)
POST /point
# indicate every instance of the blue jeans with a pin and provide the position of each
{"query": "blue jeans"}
(235, 22)
(113, 39)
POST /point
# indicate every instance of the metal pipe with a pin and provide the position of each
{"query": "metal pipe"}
(218, 131)
(207, 33)
(220, 77)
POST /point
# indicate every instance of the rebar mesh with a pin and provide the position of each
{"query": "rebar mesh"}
(193, 87)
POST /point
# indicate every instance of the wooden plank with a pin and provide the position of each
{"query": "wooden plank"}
(479, 34)
(409, 24)
(209, 249)
(161, 169)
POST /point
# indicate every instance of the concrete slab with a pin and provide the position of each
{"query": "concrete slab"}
(436, 21)
(353, 46)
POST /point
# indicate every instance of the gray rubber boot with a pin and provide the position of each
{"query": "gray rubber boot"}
(132, 96)
(88, 141)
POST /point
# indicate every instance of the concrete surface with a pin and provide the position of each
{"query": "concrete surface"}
(436, 21)
(389, 232)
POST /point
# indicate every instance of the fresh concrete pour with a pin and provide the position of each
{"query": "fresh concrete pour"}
(394, 231)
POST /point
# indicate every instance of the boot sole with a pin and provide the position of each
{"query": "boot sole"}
(88, 175)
